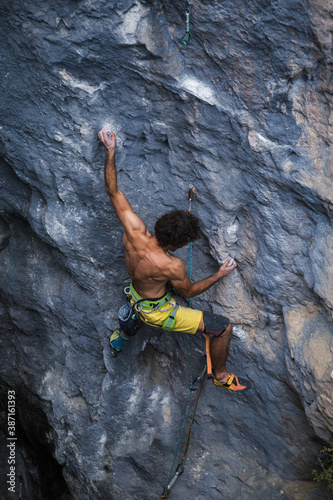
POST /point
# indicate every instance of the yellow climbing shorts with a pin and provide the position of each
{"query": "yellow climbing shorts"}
(187, 319)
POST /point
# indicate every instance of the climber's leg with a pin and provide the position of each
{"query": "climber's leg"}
(219, 351)
(129, 326)
(221, 329)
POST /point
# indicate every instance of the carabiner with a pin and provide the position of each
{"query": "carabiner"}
(138, 307)
(198, 379)
(167, 490)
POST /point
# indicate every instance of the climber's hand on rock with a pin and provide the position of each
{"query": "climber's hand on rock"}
(226, 269)
(108, 138)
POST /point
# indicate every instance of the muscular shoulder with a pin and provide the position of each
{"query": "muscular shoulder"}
(137, 239)
(176, 269)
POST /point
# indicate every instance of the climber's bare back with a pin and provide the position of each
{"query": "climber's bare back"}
(149, 265)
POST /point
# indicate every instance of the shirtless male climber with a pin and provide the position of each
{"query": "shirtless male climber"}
(152, 267)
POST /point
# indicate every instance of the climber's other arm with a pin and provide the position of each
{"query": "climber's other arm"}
(124, 211)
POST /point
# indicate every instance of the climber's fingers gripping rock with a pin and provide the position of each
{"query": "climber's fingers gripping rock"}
(108, 139)
(227, 267)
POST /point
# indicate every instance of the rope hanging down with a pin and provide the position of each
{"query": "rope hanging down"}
(201, 379)
(180, 466)
(192, 193)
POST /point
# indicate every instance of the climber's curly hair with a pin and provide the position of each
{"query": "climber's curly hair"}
(177, 228)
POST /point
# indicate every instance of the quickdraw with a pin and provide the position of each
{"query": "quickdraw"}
(198, 379)
(191, 194)
(186, 38)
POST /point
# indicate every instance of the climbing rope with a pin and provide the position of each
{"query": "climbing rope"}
(186, 38)
(201, 379)
(169, 484)
(191, 194)
(180, 466)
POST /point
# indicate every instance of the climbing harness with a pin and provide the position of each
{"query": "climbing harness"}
(147, 306)
(186, 38)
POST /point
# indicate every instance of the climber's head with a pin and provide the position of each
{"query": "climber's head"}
(177, 228)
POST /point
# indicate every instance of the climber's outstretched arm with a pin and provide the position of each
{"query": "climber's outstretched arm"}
(124, 211)
(187, 289)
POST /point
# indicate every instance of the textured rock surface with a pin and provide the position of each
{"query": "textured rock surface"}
(243, 113)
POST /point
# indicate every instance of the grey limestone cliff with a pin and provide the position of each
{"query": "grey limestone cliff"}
(245, 114)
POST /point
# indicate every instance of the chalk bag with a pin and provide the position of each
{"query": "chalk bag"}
(128, 322)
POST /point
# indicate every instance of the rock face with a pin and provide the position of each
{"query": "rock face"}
(243, 113)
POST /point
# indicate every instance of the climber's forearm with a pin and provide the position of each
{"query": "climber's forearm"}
(187, 289)
(110, 174)
(108, 139)
(203, 285)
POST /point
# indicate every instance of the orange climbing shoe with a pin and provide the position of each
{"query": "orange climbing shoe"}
(234, 383)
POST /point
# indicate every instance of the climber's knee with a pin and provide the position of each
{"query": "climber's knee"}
(215, 324)
(128, 321)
